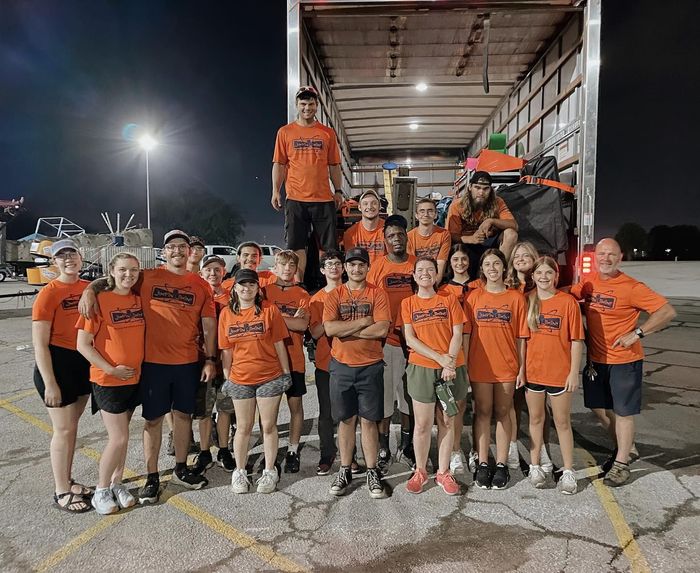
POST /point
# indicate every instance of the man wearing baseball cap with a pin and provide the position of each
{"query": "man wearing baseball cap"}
(197, 250)
(368, 232)
(306, 154)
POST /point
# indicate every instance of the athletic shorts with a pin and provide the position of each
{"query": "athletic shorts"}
(298, 387)
(550, 390)
(421, 383)
(166, 387)
(72, 373)
(618, 387)
(270, 389)
(301, 216)
(394, 372)
(115, 399)
(210, 395)
(357, 391)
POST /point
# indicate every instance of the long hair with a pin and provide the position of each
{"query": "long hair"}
(111, 285)
(533, 300)
(414, 284)
(500, 255)
(512, 280)
(234, 302)
(468, 209)
(456, 248)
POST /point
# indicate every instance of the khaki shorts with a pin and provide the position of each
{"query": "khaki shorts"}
(394, 372)
(209, 395)
(421, 383)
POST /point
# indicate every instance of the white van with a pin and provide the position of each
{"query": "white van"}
(268, 256)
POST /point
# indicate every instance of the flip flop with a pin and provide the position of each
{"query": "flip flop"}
(84, 490)
(74, 499)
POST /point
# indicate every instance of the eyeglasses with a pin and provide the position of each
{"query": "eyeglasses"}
(198, 248)
(332, 264)
(179, 248)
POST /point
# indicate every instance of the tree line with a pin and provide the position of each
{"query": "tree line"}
(660, 243)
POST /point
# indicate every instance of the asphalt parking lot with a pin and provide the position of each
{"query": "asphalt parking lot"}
(651, 524)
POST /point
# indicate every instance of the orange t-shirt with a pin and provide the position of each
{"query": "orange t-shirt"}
(174, 306)
(432, 320)
(457, 289)
(436, 245)
(251, 340)
(341, 304)
(118, 335)
(456, 225)
(396, 279)
(288, 300)
(373, 241)
(323, 344)
(57, 303)
(497, 320)
(612, 309)
(264, 279)
(307, 152)
(549, 348)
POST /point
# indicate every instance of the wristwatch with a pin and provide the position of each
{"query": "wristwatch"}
(639, 332)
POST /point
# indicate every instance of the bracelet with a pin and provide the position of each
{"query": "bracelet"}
(210, 359)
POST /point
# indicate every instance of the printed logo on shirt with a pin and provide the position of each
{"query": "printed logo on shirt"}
(245, 329)
(126, 316)
(372, 246)
(549, 322)
(398, 281)
(172, 295)
(429, 315)
(601, 301)
(432, 251)
(287, 309)
(354, 310)
(311, 144)
(494, 315)
(70, 302)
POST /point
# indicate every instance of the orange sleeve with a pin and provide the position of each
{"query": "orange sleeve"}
(520, 323)
(330, 308)
(91, 325)
(316, 308)
(208, 308)
(224, 342)
(575, 321)
(458, 315)
(646, 299)
(445, 244)
(333, 150)
(405, 314)
(381, 309)
(467, 308)
(280, 153)
(44, 307)
(503, 211)
(277, 325)
(347, 240)
(454, 219)
(576, 290)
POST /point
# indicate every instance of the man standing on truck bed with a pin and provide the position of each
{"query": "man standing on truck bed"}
(306, 152)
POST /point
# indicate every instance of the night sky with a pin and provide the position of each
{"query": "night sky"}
(210, 78)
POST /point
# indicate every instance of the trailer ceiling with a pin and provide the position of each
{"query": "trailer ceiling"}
(374, 54)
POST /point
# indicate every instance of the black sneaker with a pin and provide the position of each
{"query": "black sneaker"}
(291, 463)
(150, 491)
(187, 478)
(501, 477)
(383, 460)
(482, 476)
(226, 460)
(203, 462)
(375, 485)
(341, 481)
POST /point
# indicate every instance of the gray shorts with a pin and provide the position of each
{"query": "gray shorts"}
(270, 389)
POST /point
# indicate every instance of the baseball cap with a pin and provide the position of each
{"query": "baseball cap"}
(304, 91)
(246, 275)
(369, 192)
(176, 234)
(357, 254)
(481, 177)
(212, 259)
(62, 245)
(194, 240)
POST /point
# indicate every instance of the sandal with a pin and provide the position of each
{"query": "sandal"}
(84, 490)
(76, 503)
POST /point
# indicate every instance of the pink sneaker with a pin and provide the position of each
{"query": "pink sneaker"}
(447, 482)
(417, 481)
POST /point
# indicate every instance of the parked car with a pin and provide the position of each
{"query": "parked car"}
(268, 256)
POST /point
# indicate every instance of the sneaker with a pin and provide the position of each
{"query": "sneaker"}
(150, 491)
(170, 447)
(545, 461)
(408, 456)
(456, 463)
(202, 462)
(634, 453)
(537, 476)
(375, 485)
(291, 463)
(123, 496)
(194, 446)
(325, 464)
(608, 464)
(567, 483)
(473, 461)
(240, 482)
(501, 477)
(447, 482)
(417, 481)
(103, 501)
(267, 482)
(187, 478)
(513, 456)
(225, 459)
(356, 468)
(384, 460)
(341, 481)
(482, 476)
(619, 473)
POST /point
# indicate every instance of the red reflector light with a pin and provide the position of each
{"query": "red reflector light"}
(586, 264)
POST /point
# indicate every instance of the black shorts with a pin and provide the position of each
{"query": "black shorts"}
(298, 387)
(115, 399)
(618, 387)
(166, 387)
(72, 373)
(550, 390)
(301, 216)
(357, 390)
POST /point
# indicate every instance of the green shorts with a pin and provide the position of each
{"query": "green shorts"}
(421, 383)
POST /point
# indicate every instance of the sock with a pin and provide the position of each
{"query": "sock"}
(384, 441)
(180, 466)
(405, 439)
(293, 448)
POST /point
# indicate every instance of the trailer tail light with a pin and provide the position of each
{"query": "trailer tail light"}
(586, 263)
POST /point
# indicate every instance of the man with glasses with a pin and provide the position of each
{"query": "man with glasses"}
(306, 154)
(428, 239)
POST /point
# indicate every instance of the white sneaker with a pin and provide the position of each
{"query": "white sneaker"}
(537, 476)
(456, 463)
(545, 461)
(123, 496)
(239, 481)
(473, 461)
(267, 482)
(103, 502)
(513, 456)
(567, 483)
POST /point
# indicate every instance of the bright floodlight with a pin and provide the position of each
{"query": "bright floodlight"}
(147, 142)
(413, 126)
(422, 86)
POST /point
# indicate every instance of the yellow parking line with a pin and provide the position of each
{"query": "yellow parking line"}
(19, 396)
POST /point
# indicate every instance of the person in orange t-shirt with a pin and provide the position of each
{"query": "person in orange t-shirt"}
(368, 232)
(552, 368)
(248, 256)
(496, 361)
(357, 316)
(394, 274)
(306, 154)
(256, 365)
(113, 342)
(433, 329)
(427, 239)
(612, 384)
(61, 374)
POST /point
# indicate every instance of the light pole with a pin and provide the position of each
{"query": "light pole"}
(147, 143)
